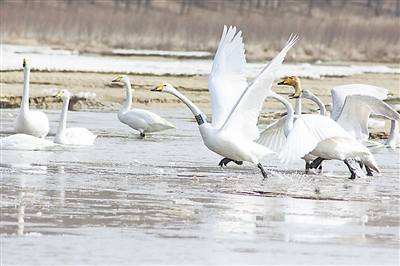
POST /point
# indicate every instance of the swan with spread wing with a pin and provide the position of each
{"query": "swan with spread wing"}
(235, 103)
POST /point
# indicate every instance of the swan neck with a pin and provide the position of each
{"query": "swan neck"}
(322, 109)
(297, 108)
(200, 118)
(290, 112)
(25, 93)
(128, 101)
(394, 134)
(63, 118)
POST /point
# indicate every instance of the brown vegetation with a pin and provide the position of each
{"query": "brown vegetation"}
(350, 30)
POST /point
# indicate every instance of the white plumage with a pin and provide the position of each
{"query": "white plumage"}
(235, 104)
(72, 135)
(320, 136)
(141, 120)
(30, 122)
(25, 142)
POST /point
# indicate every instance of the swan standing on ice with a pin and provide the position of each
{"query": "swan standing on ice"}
(72, 135)
(235, 104)
(322, 137)
(29, 122)
(141, 120)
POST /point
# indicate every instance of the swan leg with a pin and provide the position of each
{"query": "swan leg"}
(354, 168)
(259, 165)
(307, 167)
(316, 164)
(369, 171)
(225, 161)
(142, 135)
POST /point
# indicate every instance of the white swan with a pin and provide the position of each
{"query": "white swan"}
(141, 120)
(322, 137)
(26, 143)
(29, 122)
(235, 104)
(72, 135)
(355, 111)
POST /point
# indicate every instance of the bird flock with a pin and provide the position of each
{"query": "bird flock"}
(233, 132)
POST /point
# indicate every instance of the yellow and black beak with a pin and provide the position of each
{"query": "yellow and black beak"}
(117, 79)
(58, 95)
(25, 62)
(295, 95)
(285, 82)
(158, 88)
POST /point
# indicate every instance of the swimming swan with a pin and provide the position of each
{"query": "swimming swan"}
(72, 135)
(322, 137)
(142, 120)
(235, 104)
(26, 143)
(29, 122)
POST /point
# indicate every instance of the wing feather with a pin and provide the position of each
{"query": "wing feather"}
(243, 117)
(307, 132)
(227, 79)
(356, 110)
(340, 93)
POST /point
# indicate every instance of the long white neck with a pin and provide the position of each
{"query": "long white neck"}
(321, 105)
(63, 118)
(297, 107)
(25, 94)
(394, 134)
(195, 110)
(290, 112)
(128, 101)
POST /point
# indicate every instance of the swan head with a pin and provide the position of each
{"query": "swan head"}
(293, 81)
(166, 87)
(328, 107)
(301, 94)
(25, 62)
(63, 94)
(122, 78)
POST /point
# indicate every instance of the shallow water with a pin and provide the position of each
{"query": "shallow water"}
(164, 200)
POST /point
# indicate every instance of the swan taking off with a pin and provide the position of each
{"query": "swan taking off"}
(141, 120)
(235, 104)
(29, 122)
(72, 135)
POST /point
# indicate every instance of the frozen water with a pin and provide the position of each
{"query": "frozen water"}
(44, 58)
(164, 200)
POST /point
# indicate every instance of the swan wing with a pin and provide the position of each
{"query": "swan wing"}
(273, 137)
(243, 117)
(79, 136)
(227, 79)
(307, 132)
(356, 110)
(340, 93)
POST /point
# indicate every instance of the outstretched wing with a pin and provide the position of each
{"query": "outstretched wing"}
(340, 93)
(243, 117)
(227, 79)
(273, 137)
(307, 132)
(356, 110)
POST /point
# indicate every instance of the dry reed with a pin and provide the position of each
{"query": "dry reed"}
(324, 35)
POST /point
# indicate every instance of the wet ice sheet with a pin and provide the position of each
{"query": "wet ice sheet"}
(164, 199)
